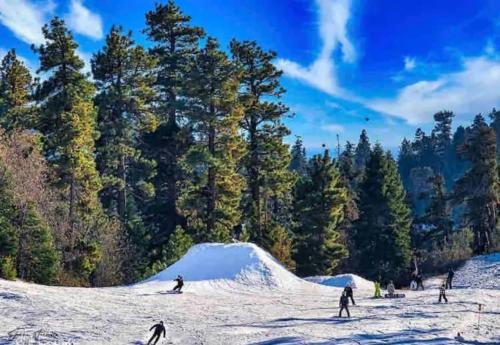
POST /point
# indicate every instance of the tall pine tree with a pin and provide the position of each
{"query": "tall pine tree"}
(211, 202)
(321, 199)
(176, 44)
(265, 166)
(383, 228)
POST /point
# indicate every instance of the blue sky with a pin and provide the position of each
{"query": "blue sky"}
(396, 62)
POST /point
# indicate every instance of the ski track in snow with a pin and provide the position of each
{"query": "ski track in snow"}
(233, 311)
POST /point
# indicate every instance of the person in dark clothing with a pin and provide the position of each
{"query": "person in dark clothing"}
(180, 283)
(449, 279)
(349, 293)
(420, 282)
(344, 304)
(442, 294)
(158, 330)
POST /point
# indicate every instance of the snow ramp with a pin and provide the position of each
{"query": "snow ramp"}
(342, 280)
(238, 265)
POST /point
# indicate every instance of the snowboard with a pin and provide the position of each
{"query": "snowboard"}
(171, 292)
(396, 295)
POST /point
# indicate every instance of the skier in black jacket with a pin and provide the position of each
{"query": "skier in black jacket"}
(180, 283)
(449, 279)
(344, 304)
(158, 330)
(419, 281)
(349, 293)
(442, 294)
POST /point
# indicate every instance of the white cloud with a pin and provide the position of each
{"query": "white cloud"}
(472, 90)
(410, 63)
(25, 18)
(333, 18)
(86, 57)
(83, 21)
(332, 127)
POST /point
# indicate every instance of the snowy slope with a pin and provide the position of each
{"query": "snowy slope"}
(480, 272)
(342, 280)
(263, 314)
(240, 265)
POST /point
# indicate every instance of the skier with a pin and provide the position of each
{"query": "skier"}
(442, 293)
(349, 293)
(180, 283)
(377, 290)
(343, 304)
(391, 289)
(413, 283)
(419, 281)
(449, 279)
(158, 330)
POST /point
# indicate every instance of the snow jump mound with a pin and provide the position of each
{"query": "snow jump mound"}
(481, 272)
(342, 280)
(238, 263)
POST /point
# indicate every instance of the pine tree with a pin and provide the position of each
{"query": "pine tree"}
(265, 167)
(176, 44)
(320, 207)
(67, 121)
(479, 187)
(67, 118)
(37, 258)
(383, 228)
(211, 202)
(495, 124)
(9, 238)
(122, 74)
(438, 214)
(15, 93)
(362, 152)
(298, 162)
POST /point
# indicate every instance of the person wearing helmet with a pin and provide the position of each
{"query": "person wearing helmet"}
(180, 283)
(158, 330)
(349, 293)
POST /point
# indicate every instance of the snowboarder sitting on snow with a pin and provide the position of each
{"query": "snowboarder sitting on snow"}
(344, 303)
(158, 330)
(377, 290)
(449, 279)
(391, 289)
(349, 293)
(180, 283)
(420, 282)
(442, 293)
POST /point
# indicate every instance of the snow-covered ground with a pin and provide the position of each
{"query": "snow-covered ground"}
(241, 295)
(342, 280)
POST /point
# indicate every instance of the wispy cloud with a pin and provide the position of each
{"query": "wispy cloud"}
(332, 128)
(333, 19)
(83, 21)
(410, 63)
(469, 91)
(26, 18)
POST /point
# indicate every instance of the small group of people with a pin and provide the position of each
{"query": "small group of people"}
(417, 282)
(344, 300)
(447, 285)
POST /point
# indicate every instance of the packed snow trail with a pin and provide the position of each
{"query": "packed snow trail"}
(223, 310)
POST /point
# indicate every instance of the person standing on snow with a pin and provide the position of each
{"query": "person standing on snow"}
(391, 289)
(420, 282)
(158, 330)
(442, 294)
(344, 304)
(349, 293)
(180, 283)
(378, 294)
(449, 279)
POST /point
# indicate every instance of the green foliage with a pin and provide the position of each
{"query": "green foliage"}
(178, 244)
(383, 229)
(298, 162)
(265, 166)
(175, 46)
(321, 199)
(281, 246)
(37, 259)
(211, 202)
(479, 187)
(15, 93)
(7, 268)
